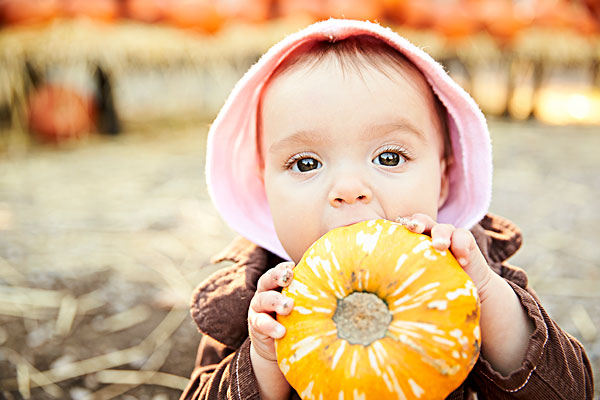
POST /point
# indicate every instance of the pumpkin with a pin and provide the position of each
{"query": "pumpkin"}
(455, 20)
(355, 9)
(594, 8)
(144, 10)
(253, 11)
(28, 11)
(504, 20)
(311, 10)
(99, 10)
(415, 14)
(58, 113)
(378, 313)
(202, 16)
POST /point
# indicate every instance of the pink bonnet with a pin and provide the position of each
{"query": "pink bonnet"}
(233, 178)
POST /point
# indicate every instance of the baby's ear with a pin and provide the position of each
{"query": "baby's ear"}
(445, 164)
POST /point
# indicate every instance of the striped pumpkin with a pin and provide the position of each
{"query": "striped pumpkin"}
(378, 314)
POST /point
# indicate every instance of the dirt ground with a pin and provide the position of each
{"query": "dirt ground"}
(102, 243)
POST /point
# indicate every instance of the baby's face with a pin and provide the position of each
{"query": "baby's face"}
(339, 148)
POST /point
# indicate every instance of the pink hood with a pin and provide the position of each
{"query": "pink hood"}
(232, 174)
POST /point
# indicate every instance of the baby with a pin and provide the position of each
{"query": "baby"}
(343, 122)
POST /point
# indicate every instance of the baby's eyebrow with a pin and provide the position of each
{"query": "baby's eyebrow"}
(404, 125)
(303, 137)
(312, 137)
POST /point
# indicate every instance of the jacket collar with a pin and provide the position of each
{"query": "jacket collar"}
(220, 303)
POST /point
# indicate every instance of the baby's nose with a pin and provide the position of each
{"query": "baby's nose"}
(349, 191)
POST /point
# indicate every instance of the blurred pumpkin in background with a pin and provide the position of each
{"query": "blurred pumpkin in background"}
(554, 14)
(503, 19)
(391, 9)
(415, 14)
(57, 113)
(594, 7)
(355, 9)
(310, 9)
(255, 11)
(101, 10)
(29, 11)
(455, 19)
(584, 20)
(198, 15)
(144, 10)
(563, 14)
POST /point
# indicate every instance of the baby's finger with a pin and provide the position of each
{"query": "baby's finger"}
(463, 243)
(418, 223)
(465, 249)
(264, 325)
(441, 235)
(279, 276)
(271, 301)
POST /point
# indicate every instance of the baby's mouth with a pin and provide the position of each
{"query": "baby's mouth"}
(351, 222)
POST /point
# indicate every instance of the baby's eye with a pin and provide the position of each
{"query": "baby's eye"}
(306, 164)
(389, 159)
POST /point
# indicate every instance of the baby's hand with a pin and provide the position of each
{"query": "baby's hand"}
(263, 328)
(505, 325)
(460, 242)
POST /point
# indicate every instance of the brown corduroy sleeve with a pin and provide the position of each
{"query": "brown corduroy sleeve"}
(555, 365)
(221, 373)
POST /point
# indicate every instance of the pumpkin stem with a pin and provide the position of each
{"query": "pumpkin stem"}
(361, 318)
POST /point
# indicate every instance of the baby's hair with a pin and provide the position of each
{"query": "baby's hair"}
(353, 54)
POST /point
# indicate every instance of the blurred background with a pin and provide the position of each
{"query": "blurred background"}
(105, 223)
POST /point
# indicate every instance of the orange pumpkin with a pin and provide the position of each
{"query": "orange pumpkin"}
(303, 9)
(503, 19)
(144, 10)
(28, 11)
(202, 16)
(99, 10)
(57, 114)
(254, 11)
(594, 8)
(455, 20)
(378, 314)
(355, 9)
(415, 14)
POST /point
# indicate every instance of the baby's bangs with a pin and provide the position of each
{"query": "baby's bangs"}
(352, 53)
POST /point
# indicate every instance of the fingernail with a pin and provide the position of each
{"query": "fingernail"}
(440, 243)
(279, 331)
(462, 261)
(287, 275)
(416, 226)
(285, 306)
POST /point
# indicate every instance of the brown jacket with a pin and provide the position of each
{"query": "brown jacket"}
(555, 366)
